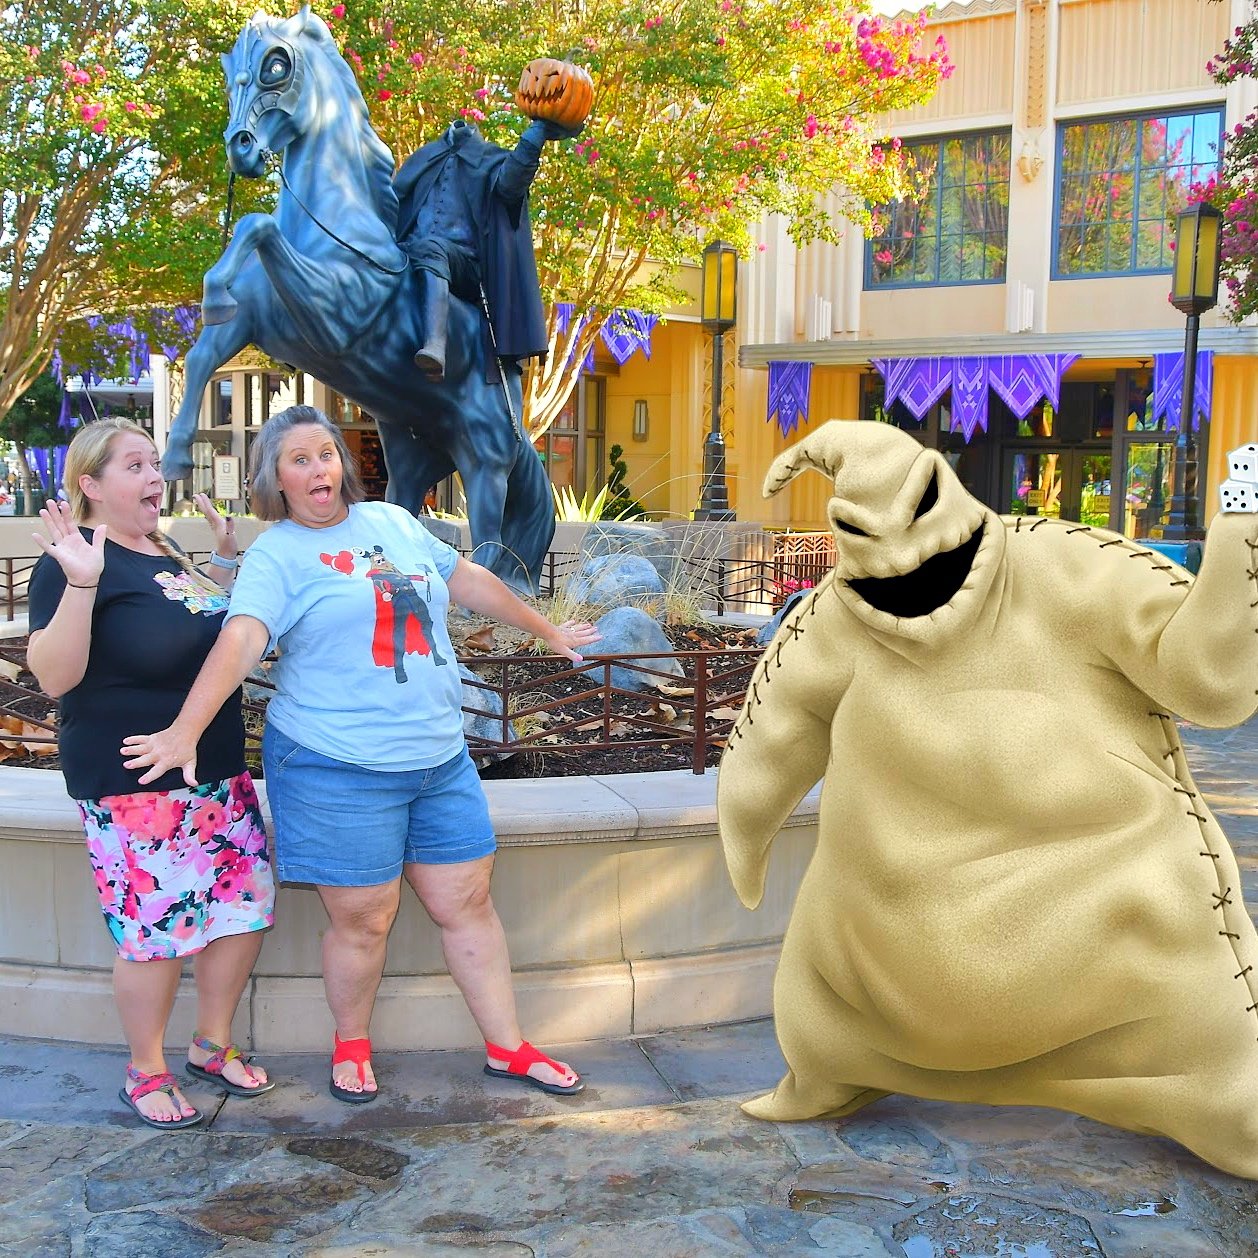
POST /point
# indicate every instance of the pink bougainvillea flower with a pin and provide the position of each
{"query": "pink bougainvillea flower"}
(130, 106)
(416, 59)
(384, 94)
(338, 10)
(91, 111)
(99, 126)
(810, 126)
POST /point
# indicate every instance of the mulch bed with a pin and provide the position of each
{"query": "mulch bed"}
(575, 700)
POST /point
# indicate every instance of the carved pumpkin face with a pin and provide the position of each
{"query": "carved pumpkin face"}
(555, 91)
(913, 545)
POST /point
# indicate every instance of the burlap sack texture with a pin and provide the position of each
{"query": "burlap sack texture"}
(1018, 896)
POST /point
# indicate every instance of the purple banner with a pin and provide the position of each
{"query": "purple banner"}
(1168, 388)
(917, 382)
(624, 333)
(969, 395)
(1021, 381)
(564, 311)
(789, 385)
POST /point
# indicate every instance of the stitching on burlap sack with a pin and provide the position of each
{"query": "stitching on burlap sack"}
(807, 606)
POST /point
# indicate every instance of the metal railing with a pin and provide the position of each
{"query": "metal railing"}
(691, 713)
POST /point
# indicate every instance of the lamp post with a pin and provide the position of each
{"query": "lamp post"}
(718, 314)
(1194, 290)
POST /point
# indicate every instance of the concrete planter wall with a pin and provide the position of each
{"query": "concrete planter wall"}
(613, 891)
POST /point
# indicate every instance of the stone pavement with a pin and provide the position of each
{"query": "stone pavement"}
(654, 1157)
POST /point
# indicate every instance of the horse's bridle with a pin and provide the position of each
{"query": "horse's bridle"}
(244, 114)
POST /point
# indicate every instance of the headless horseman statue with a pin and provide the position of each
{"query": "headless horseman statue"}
(463, 222)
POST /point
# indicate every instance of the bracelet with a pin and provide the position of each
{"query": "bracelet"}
(230, 564)
(72, 585)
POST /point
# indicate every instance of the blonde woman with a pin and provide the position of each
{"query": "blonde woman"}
(120, 625)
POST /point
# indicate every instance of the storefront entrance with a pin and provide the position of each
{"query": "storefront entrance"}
(1098, 457)
(1061, 483)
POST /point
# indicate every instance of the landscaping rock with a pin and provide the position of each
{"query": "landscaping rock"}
(649, 541)
(607, 581)
(628, 631)
(765, 636)
(483, 726)
(446, 531)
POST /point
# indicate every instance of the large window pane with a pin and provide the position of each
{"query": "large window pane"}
(1120, 181)
(955, 231)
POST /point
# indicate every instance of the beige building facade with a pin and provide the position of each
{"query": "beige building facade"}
(1076, 98)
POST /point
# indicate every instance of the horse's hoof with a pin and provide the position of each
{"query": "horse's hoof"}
(176, 469)
(221, 310)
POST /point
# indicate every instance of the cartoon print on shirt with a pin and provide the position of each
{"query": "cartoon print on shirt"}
(182, 588)
(404, 624)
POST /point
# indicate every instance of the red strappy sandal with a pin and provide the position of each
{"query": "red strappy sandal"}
(518, 1062)
(359, 1052)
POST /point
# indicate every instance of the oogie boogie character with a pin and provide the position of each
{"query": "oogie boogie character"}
(1018, 895)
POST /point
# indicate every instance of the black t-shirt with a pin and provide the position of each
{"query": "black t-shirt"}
(152, 627)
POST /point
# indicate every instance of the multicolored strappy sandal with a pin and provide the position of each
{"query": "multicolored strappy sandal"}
(144, 1085)
(518, 1062)
(359, 1052)
(212, 1071)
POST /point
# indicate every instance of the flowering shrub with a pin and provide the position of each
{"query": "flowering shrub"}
(787, 586)
(1235, 190)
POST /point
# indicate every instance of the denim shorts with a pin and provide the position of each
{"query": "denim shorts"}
(338, 825)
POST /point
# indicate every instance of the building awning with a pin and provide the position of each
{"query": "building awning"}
(1116, 344)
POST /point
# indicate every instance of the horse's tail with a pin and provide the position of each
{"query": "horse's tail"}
(528, 525)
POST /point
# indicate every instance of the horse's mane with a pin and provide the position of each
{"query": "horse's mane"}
(378, 161)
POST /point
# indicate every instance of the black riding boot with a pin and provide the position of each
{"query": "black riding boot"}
(434, 315)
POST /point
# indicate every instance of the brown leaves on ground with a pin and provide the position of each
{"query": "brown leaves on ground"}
(10, 747)
(481, 640)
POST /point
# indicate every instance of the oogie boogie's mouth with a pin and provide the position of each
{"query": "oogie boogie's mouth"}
(927, 588)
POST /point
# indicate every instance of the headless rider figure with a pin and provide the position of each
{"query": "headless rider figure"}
(463, 221)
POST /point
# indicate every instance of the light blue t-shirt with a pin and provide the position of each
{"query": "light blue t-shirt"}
(366, 672)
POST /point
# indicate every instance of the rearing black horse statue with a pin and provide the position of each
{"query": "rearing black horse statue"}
(322, 284)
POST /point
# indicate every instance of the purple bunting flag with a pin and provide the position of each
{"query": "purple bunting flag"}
(789, 386)
(969, 395)
(1168, 388)
(1021, 381)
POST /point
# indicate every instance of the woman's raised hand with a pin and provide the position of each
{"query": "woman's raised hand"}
(81, 561)
(569, 636)
(223, 527)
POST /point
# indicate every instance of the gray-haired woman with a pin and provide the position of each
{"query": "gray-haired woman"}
(367, 711)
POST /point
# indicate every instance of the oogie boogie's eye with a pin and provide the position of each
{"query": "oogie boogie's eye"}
(930, 496)
(276, 67)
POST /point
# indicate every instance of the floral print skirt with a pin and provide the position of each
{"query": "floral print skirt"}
(176, 870)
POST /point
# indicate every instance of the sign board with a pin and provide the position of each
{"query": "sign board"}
(227, 476)
(1101, 503)
(1035, 498)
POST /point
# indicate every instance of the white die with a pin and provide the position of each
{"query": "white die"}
(1238, 496)
(1243, 463)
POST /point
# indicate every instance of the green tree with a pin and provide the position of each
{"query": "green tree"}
(111, 175)
(707, 114)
